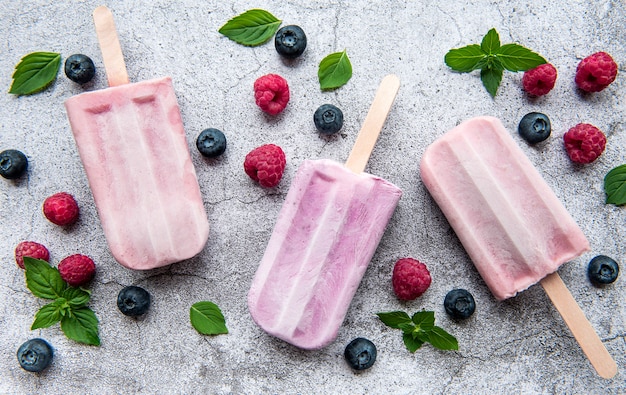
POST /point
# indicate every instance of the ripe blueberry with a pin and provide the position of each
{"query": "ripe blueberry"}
(534, 127)
(13, 164)
(35, 355)
(80, 68)
(211, 143)
(328, 119)
(290, 41)
(602, 270)
(133, 301)
(360, 353)
(459, 303)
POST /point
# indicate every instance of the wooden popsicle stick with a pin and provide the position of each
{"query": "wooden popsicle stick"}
(110, 46)
(580, 327)
(373, 123)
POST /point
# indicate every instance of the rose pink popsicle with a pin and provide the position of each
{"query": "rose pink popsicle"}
(325, 236)
(510, 222)
(132, 144)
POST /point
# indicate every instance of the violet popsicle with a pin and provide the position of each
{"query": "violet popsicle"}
(132, 144)
(325, 236)
(509, 221)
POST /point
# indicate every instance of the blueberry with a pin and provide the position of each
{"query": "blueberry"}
(459, 303)
(602, 270)
(13, 164)
(328, 119)
(80, 68)
(35, 355)
(211, 143)
(360, 353)
(290, 41)
(133, 301)
(534, 127)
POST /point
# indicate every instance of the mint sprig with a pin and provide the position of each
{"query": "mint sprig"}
(207, 318)
(492, 58)
(35, 72)
(615, 185)
(69, 306)
(253, 27)
(419, 329)
(334, 70)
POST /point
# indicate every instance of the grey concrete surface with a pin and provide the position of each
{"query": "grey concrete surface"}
(517, 346)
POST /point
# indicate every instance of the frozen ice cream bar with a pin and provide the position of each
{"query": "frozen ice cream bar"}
(508, 219)
(510, 222)
(132, 144)
(325, 236)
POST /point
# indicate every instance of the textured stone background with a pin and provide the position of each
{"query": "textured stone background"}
(517, 346)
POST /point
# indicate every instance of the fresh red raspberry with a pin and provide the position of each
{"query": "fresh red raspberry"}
(540, 80)
(265, 164)
(77, 269)
(271, 93)
(410, 279)
(596, 72)
(31, 249)
(584, 143)
(61, 209)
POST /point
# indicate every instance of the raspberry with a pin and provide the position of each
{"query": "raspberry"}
(410, 279)
(271, 93)
(31, 249)
(596, 72)
(265, 164)
(77, 269)
(540, 80)
(61, 209)
(584, 143)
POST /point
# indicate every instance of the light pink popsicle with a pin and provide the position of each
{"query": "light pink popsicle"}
(326, 234)
(131, 141)
(510, 222)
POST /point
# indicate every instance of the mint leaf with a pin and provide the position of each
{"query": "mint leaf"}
(207, 318)
(34, 72)
(43, 280)
(491, 42)
(334, 70)
(47, 316)
(411, 343)
(442, 340)
(514, 58)
(253, 27)
(615, 185)
(76, 297)
(81, 325)
(465, 59)
(424, 320)
(491, 79)
(395, 319)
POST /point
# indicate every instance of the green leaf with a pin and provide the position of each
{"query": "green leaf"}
(491, 79)
(253, 27)
(334, 70)
(43, 280)
(81, 325)
(207, 318)
(491, 42)
(424, 320)
(615, 185)
(35, 72)
(442, 340)
(395, 319)
(47, 316)
(411, 343)
(514, 58)
(465, 59)
(77, 297)
(406, 328)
